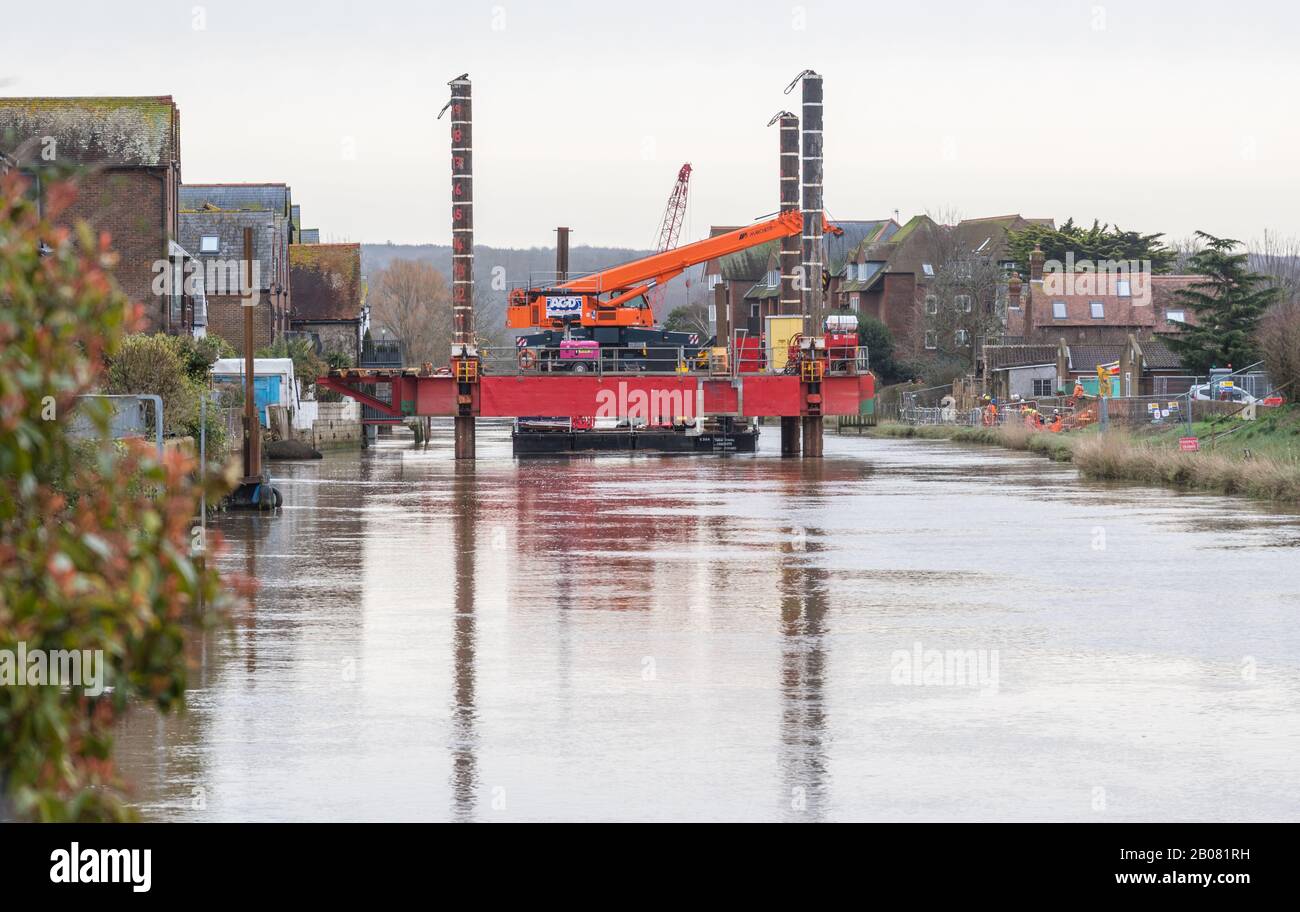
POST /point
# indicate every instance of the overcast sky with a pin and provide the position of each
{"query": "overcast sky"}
(1160, 116)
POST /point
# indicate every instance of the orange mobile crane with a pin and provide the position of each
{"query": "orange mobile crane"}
(609, 308)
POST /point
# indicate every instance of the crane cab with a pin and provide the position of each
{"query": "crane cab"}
(556, 308)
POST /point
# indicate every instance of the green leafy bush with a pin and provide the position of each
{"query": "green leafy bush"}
(95, 553)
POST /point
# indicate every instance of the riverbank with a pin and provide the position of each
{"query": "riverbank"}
(1259, 459)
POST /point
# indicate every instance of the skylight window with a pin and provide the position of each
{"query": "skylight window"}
(209, 243)
(1098, 310)
(1058, 310)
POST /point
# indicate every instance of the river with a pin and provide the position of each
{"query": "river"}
(904, 630)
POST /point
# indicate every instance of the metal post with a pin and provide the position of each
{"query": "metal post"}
(790, 246)
(561, 254)
(812, 436)
(813, 205)
(252, 434)
(462, 255)
(790, 435)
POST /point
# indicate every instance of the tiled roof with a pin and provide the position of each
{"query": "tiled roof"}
(1159, 356)
(247, 197)
(999, 357)
(1156, 355)
(130, 131)
(1144, 308)
(1086, 358)
(326, 282)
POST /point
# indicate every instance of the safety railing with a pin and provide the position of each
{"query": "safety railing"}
(604, 360)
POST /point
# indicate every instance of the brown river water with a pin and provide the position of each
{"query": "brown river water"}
(904, 630)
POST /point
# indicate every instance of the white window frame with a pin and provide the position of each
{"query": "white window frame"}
(1059, 310)
(961, 338)
(1176, 316)
(1047, 385)
(1124, 288)
(931, 340)
(928, 269)
(715, 279)
(932, 304)
(773, 278)
(214, 247)
(1097, 310)
(962, 302)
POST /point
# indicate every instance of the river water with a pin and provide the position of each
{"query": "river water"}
(903, 630)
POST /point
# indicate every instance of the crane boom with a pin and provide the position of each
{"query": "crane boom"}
(579, 299)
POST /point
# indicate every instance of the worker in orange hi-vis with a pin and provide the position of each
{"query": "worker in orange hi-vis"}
(1078, 389)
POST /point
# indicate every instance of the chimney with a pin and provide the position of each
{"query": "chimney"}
(561, 254)
(1036, 264)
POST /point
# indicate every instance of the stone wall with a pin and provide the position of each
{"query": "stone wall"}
(337, 425)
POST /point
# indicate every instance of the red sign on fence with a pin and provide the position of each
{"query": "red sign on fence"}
(1190, 444)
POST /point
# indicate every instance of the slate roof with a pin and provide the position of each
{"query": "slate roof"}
(269, 238)
(326, 282)
(873, 272)
(139, 131)
(857, 235)
(247, 197)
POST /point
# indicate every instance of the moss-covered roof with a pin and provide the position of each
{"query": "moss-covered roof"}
(325, 282)
(749, 265)
(126, 131)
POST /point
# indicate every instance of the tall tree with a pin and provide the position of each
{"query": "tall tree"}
(1098, 244)
(411, 300)
(1227, 303)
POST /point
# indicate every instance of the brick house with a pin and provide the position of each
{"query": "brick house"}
(752, 278)
(893, 278)
(329, 298)
(1091, 307)
(126, 155)
(216, 238)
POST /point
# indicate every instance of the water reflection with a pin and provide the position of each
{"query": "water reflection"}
(464, 737)
(642, 638)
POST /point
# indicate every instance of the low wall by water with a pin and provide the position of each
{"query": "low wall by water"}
(337, 425)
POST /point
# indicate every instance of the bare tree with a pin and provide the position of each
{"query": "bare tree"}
(1185, 249)
(963, 302)
(411, 300)
(1278, 258)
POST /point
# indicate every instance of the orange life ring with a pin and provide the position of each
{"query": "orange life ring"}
(527, 359)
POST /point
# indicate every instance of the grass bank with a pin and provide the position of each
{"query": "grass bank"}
(1259, 459)
(1054, 446)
